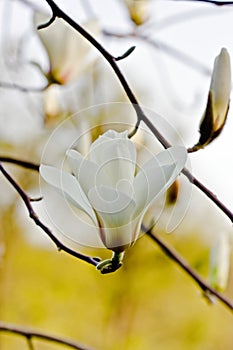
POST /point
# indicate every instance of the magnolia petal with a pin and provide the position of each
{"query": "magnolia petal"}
(73, 227)
(150, 182)
(220, 87)
(115, 155)
(157, 175)
(84, 170)
(67, 185)
(114, 210)
(79, 53)
(175, 154)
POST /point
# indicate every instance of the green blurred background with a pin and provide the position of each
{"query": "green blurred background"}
(148, 304)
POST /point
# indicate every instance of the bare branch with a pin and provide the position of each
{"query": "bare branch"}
(29, 334)
(126, 54)
(23, 163)
(208, 193)
(171, 253)
(34, 217)
(47, 24)
(30, 343)
(13, 86)
(212, 2)
(88, 8)
(167, 49)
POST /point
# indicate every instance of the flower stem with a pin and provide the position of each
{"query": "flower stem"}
(111, 265)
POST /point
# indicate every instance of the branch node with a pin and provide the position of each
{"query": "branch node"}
(47, 24)
(97, 259)
(36, 199)
(126, 54)
(135, 129)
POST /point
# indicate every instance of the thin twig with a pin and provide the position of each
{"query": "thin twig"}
(30, 343)
(212, 2)
(126, 54)
(208, 193)
(171, 253)
(88, 8)
(140, 113)
(167, 49)
(30, 4)
(34, 217)
(177, 18)
(29, 334)
(14, 86)
(47, 24)
(23, 163)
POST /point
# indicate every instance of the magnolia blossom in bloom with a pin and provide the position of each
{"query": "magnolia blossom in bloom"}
(68, 51)
(218, 101)
(106, 189)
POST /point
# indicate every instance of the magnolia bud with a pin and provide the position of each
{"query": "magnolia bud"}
(138, 10)
(172, 193)
(68, 52)
(215, 115)
(220, 262)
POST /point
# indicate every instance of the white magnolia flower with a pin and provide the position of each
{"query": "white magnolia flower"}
(215, 115)
(69, 53)
(106, 189)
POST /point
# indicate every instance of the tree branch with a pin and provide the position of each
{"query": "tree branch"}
(167, 49)
(171, 253)
(29, 334)
(22, 163)
(212, 2)
(47, 24)
(30, 343)
(34, 217)
(13, 86)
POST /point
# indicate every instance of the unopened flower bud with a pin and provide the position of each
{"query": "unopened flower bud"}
(172, 193)
(68, 52)
(215, 115)
(138, 10)
(220, 262)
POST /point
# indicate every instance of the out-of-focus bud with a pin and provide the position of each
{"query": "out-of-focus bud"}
(138, 10)
(54, 112)
(215, 115)
(172, 193)
(85, 140)
(68, 52)
(220, 262)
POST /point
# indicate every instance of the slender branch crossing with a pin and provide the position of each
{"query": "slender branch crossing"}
(34, 217)
(29, 334)
(171, 253)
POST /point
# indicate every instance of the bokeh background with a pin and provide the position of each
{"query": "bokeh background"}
(150, 303)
